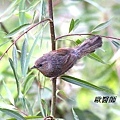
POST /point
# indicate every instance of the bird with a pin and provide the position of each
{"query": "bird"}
(55, 63)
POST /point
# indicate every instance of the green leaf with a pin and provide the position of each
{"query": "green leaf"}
(22, 12)
(17, 30)
(30, 53)
(77, 21)
(10, 97)
(104, 72)
(12, 114)
(28, 83)
(15, 75)
(78, 41)
(25, 104)
(102, 26)
(74, 24)
(95, 4)
(23, 57)
(74, 114)
(71, 25)
(84, 84)
(42, 10)
(96, 57)
(5, 43)
(33, 4)
(116, 44)
(14, 56)
(40, 104)
(79, 114)
(9, 11)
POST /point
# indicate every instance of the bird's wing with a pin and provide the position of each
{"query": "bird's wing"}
(67, 59)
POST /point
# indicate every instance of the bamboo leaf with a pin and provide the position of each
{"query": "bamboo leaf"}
(12, 114)
(84, 84)
(102, 26)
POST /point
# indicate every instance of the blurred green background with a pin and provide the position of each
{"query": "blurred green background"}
(34, 89)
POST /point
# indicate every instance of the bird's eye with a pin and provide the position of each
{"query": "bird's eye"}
(40, 65)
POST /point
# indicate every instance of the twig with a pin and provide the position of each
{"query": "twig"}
(53, 102)
(85, 34)
(14, 42)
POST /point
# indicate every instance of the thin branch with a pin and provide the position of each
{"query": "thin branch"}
(53, 101)
(14, 42)
(86, 34)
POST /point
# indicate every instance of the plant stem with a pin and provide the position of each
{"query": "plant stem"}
(52, 32)
(51, 24)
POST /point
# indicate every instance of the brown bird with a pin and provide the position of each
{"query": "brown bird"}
(57, 62)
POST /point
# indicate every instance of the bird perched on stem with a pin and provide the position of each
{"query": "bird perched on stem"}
(57, 62)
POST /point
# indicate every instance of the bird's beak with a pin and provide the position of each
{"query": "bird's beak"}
(33, 67)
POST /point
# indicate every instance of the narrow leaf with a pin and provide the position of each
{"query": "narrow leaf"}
(33, 5)
(116, 44)
(4, 43)
(15, 75)
(12, 114)
(42, 10)
(74, 114)
(96, 57)
(95, 4)
(17, 30)
(23, 57)
(31, 118)
(9, 11)
(77, 21)
(10, 97)
(22, 12)
(40, 104)
(84, 84)
(28, 84)
(30, 53)
(102, 26)
(14, 56)
(71, 25)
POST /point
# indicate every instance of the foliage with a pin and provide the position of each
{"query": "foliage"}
(26, 93)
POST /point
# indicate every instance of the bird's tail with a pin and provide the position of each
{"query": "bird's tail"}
(88, 46)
